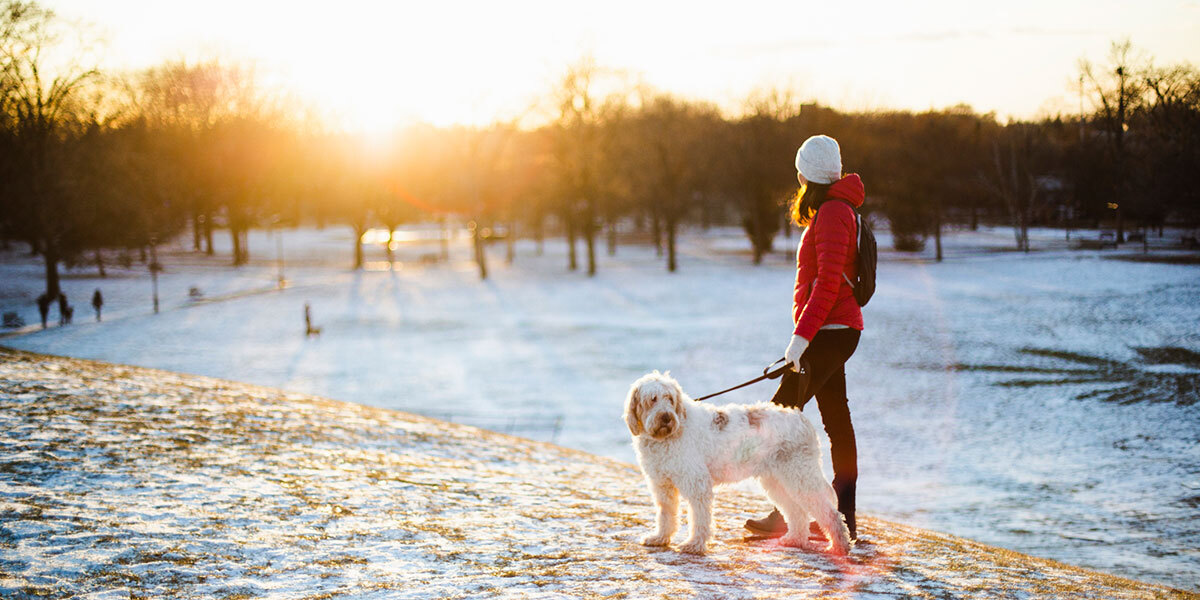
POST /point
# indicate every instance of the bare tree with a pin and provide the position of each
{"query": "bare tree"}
(227, 130)
(1172, 120)
(485, 150)
(676, 156)
(578, 131)
(1015, 186)
(1117, 93)
(187, 101)
(42, 107)
(1021, 155)
(760, 145)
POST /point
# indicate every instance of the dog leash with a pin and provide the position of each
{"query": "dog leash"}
(767, 374)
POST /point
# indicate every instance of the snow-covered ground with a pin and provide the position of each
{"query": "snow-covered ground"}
(970, 388)
(118, 483)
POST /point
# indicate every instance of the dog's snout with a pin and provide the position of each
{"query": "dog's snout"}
(664, 424)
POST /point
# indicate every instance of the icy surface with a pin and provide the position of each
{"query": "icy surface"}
(1045, 403)
(119, 482)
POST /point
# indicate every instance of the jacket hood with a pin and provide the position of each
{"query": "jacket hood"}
(849, 188)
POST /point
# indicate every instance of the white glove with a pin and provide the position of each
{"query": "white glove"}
(794, 351)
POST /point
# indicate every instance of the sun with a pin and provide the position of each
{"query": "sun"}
(401, 65)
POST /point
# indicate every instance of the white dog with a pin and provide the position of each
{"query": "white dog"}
(685, 447)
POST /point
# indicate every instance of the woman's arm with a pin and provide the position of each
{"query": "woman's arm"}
(833, 233)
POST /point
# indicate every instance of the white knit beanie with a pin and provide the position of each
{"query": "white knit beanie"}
(819, 159)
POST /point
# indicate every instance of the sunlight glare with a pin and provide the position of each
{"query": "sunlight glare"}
(372, 66)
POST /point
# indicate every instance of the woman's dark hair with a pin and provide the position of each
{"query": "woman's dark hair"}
(806, 202)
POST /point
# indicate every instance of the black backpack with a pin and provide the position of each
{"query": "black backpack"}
(868, 255)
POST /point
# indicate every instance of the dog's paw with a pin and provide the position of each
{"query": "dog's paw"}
(697, 547)
(656, 540)
(799, 541)
(837, 549)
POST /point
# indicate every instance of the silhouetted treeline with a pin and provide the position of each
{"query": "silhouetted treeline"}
(92, 161)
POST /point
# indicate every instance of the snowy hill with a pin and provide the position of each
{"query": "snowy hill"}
(122, 482)
(1046, 403)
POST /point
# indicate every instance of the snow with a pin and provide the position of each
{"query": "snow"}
(946, 440)
(196, 488)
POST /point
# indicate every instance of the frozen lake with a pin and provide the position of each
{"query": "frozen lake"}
(1045, 403)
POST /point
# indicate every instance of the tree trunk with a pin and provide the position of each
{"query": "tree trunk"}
(237, 246)
(241, 244)
(756, 233)
(445, 238)
(387, 249)
(154, 269)
(1010, 190)
(1027, 214)
(208, 234)
(480, 255)
(610, 230)
(510, 243)
(359, 230)
(670, 227)
(589, 237)
(572, 261)
(197, 230)
(937, 236)
(656, 231)
(100, 262)
(50, 255)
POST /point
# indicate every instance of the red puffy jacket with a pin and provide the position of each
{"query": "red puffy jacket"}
(829, 249)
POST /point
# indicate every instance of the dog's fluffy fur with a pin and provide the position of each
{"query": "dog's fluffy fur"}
(685, 448)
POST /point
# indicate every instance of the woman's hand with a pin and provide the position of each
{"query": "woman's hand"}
(794, 351)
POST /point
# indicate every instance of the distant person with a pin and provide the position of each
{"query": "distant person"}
(64, 310)
(43, 303)
(309, 329)
(828, 320)
(97, 303)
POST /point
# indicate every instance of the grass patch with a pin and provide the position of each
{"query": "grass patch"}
(1114, 381)
(1165, 259)
(341, 561)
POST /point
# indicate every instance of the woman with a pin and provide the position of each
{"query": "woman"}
(827, 317)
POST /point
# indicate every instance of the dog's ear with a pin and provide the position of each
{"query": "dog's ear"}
(678, 402)
(633, 411)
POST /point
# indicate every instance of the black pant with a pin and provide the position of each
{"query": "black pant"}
(826, 356)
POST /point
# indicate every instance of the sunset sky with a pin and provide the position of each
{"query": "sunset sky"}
(374, 65)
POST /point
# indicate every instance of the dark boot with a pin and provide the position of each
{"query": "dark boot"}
(772, 525)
